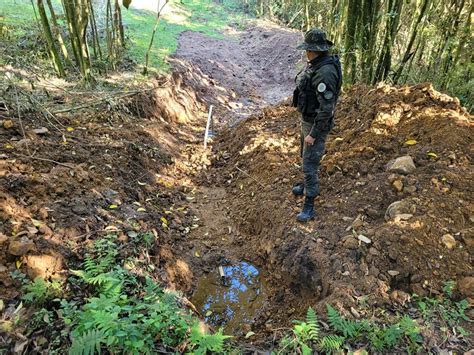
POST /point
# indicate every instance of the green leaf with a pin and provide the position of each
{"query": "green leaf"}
(306, 349)
(87, 344)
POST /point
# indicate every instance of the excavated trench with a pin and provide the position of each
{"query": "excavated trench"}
(238, 283)
(356, 253)
(248, 70)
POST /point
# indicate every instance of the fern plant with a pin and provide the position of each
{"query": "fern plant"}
(412, 333)
(313, 327)
(308, 330)
(382, 338)
(348, 328)
(448, 288)
(203, 343)
(304, 334)
(40, 291)
(88, 343)
(102, 273)
(331, 344)
(123, 320)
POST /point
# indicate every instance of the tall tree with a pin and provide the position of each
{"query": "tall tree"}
(307, 20)
(77, 16)
(57, 31)
(350, 64)
(118, 25)
(385, 61)
(446, 57)
(408, 51)
(94, 32)
(368, 30)
(52, 50)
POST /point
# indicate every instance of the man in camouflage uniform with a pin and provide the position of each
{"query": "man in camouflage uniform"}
(317, 89)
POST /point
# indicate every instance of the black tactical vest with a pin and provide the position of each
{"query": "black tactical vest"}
(305, 97)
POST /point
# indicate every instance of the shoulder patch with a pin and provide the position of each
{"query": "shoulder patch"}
(328, 95)
(321, 87)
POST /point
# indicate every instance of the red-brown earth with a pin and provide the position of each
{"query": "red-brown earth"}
(140, 166)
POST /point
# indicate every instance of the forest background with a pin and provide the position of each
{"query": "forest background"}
(395, 41)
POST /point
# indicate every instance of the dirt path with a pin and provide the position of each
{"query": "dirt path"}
(240, 75)
(244, 71)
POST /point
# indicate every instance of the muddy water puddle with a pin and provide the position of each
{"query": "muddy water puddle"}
(230, 297)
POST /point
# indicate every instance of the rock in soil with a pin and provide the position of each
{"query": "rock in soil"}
(402, 165)
(350, 242)
(44, 265)
(449, 241)
(20, 247)
(398, 185)
(398, 296)
(466, 286)
(7, 124)
(398, 208)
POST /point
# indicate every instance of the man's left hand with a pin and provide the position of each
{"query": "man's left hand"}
(309, 140)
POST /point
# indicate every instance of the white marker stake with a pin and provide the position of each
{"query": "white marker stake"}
(206, 134)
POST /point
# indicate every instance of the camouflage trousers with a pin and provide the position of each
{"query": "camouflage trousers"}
(311, 156)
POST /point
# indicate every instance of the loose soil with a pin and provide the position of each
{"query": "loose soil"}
(140, 166)
(243, 72)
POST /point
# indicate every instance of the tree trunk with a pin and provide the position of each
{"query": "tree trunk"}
(53, 52)
(350, 64)
(408, 54)
(385, 61)
(306, 15)
(147, 54)
(57, 32)
(110, 34)
(368, 37)
(95, 32)
(77, 16)
(118, 24)
(447, 54)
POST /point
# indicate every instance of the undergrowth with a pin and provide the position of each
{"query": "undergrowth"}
(405, 335)
(120, 311)
(117, 307)
(112, 304)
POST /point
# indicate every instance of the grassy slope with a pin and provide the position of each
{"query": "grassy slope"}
(15, 12)
(204, 16)
(195, 15)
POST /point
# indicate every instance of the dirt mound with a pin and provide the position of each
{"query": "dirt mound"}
(102, 171)
(357, 245)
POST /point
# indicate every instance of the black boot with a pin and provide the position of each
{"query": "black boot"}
(307, 213)
(298, 189)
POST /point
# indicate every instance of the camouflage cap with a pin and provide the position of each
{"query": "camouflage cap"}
(315, 40)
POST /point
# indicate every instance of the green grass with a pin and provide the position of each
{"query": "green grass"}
(203, 16)
(16, 12)
(19, 16)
